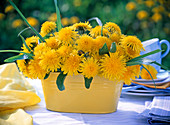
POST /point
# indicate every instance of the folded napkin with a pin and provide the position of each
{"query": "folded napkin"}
(158, 111)
(15, 93)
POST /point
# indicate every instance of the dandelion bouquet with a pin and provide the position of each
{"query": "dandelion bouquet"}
(80, 49)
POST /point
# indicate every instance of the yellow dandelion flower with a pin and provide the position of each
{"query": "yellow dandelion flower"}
(120, 49)
(112, 27)
(97, 31)
(132, 46)
(2, 16)
(67, 35)
(130, 74)
(82, 26)
(48, 27)
(32, 21)
(142, 15)
(145, 74)
(115, 37)
(41, 49)
(156, 17)
(35, 70)
(22, 64)
(9, 8)
(74, 19)
(17, 23)
(53, 17)
(158, 9)
(85, 43)
(89, 67)
(77, 3)
(100, 41)
(31, 42)
(149, 3)
(130, 6)
(50, 61)
(64, 51)
(52, 42)
(65, 21)
(71, 65)
(113, 67)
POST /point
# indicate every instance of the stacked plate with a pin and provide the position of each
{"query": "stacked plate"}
(143, 87)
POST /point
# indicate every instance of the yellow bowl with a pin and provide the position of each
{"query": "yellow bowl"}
(102, 96)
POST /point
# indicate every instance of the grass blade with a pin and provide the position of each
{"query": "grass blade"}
(18, 57)
(23, 40)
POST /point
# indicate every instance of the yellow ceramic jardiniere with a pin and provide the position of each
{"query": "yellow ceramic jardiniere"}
(101, 97)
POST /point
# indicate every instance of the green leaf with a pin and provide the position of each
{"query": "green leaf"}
(23, 40)
(32, 28)
(60, 81)
(166, 68)
(16, 51)
(113, 47)
(47, 75)
(104, 50)
(59, 25)
(139, 62)
(18, 57)
(102, 31)
(88, 82)
(145, 55)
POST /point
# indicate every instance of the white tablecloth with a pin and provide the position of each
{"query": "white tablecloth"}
(127, 113)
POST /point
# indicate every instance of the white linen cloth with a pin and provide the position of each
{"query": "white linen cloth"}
(129, 108)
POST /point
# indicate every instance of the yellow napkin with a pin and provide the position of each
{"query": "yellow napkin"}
(15, 92)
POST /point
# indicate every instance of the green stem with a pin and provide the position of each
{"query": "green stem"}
(32, 28)
(15, 51)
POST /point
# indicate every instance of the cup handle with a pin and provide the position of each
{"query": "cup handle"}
(167, 50)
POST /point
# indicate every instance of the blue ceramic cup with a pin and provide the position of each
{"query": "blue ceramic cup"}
(153, 44)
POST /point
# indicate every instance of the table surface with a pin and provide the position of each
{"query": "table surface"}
(128, 112)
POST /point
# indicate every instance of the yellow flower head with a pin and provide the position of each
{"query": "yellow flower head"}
(67, 35)
(2, 16)
(35, 70)
(32, 21)
(23, 67)
(158, 9)
(31, 42)
(47, 27)
(71, 65)
(41, 49)
(89, 67)
(85, 43)
(132, 46)
(52, 42)
(82, 26)
(113, 67)
(17, 23)
(74, 19)
(53, 17)
(97, 31)
(77, 3)
(142, 15)
(100, 41)
(50, 61)
(65, 21)
(64, 51)
(130, 74)
(130, 6)
(145, 74)
(115, 37)
(9, 8)
(149, 3)
(112, 27)
(156, 17)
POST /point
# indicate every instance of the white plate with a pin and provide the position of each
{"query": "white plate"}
(145, 94)
(144, 91)
(160, 77)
